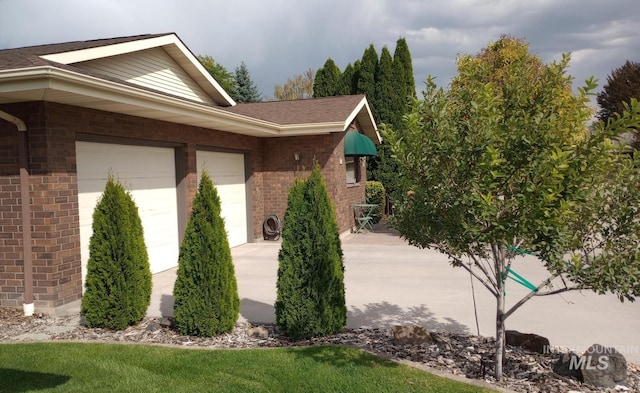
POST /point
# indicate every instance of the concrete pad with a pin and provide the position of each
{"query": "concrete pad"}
(389, 282)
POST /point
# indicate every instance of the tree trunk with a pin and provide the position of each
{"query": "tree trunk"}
(499, 264)
(499, 332)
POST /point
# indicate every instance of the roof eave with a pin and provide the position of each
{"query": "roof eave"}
(362, 112)
(63, 86)
(172, 45)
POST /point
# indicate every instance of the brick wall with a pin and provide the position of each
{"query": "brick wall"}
(52, 132)
(281, 170)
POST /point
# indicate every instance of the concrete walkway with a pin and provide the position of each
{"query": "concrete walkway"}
(389, 282)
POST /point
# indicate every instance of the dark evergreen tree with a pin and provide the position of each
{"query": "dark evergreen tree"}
(118, 283)
(402, 57)
(327, 80)
(245, 89)
(205, 291)
(622, 85)
(367, 77)
(310, 288)
(347, 81)
(386, 95)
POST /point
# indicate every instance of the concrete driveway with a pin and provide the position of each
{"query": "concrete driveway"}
(389, 283)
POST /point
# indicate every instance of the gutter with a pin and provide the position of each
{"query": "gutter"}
(28, 305)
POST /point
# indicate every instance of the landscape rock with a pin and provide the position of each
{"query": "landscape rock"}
(411, 335)
(528, 341)
(566, 365)
(604, 367)
(153, 326)
(258, 332)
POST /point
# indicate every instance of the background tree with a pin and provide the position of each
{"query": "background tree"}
(386, 95)
(367, 77)
(328, 80)
(502, 162)
(206, 292)
(349, 79)
(310, 296)
(622, 85)
(299, 87)
(219, 73)
(118, 283)
(403, 66)
(245, 89)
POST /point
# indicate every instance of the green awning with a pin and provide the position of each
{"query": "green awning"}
(356, 144)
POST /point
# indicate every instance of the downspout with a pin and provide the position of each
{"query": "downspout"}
(28, 306)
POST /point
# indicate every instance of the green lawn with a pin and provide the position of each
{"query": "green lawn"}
(75, 367)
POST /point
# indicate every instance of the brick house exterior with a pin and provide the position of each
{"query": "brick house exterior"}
(57, 114)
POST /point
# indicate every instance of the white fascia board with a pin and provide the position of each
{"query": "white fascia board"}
(51, 78)
(99, 52)
(81, 55)
(363, 105)
(46, 78)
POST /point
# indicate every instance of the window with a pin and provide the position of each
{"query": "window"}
(353, 172)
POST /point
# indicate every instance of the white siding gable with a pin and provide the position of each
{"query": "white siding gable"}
(152, 68)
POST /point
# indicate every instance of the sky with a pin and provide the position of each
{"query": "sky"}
(278, 39)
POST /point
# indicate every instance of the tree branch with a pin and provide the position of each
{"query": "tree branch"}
(557, 291)
(484, 271)
(529, 296)
(483, 282)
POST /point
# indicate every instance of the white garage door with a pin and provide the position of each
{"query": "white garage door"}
(149, 174)
(227, 172)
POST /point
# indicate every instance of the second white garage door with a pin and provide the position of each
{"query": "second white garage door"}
(227, 172)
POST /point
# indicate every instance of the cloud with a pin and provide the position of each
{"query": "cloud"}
(281, 38)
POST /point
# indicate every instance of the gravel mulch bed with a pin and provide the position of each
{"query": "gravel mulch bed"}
(461, 355)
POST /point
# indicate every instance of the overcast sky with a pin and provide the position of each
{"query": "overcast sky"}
(278, 39)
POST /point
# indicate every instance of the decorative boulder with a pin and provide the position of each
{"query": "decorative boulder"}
(604, 367)
(410, 335)
(528, 341)
(568, 365)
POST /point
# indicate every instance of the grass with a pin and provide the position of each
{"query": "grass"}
(75, 367)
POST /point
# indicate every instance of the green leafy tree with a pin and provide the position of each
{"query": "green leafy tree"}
(245, 89)
(310, 288)
(118, 283)
(622, 85)
(205, 291)
(299, 87)
(328, 80)
(219, 73)
(502, 162)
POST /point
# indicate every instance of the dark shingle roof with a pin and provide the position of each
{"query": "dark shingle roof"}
(317, 110)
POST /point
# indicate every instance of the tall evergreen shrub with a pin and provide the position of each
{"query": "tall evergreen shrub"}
(310, 288)
(205, 291)
(118, 283)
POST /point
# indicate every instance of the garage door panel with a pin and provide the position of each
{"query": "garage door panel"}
(227, 173)
(149, 174)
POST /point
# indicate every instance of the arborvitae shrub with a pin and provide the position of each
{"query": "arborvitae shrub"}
(205, 291)
(310, 288)
(118, 283)
(376, 196)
